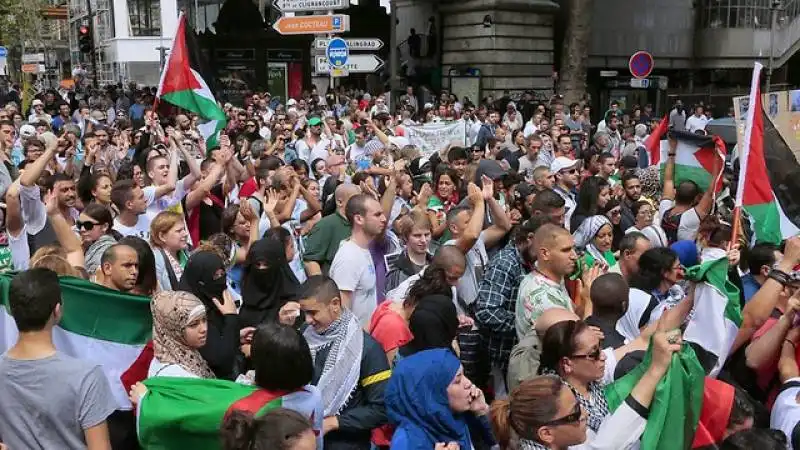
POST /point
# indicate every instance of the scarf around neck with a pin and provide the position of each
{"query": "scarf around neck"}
(339, 377)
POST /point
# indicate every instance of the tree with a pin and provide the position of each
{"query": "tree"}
(20, 21)
(576, 50)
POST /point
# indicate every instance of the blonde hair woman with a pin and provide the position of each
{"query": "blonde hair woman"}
(168, 238)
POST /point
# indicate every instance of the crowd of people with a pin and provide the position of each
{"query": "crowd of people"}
(488, 295)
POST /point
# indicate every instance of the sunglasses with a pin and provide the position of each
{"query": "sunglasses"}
(574, 416)
(594, 355)
(88, 226)
(571, 171)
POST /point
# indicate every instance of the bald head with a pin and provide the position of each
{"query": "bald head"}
(551, 317)
(449, 256)
(343, 194)
(609, 296)
(546, 235)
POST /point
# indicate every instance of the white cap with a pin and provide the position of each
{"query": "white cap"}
(27, 131)
(291, 102)
(562, 162)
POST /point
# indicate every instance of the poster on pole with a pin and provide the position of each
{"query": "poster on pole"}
(433, 137)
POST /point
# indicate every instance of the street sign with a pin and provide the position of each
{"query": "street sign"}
(640, 83)
(33, 68)
(337, 53)
(355, 64)
(3, 52)
(336, 23)
(355, 44)
(310, 5)
(32, 58)
(641, 64)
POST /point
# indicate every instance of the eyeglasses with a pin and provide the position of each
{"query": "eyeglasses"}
(570, 171)
(88, 225)
(594, 355)
(574, 416)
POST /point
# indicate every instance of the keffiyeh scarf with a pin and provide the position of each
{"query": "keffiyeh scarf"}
(339, 377)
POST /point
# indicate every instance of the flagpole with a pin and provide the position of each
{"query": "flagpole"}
(737, 218)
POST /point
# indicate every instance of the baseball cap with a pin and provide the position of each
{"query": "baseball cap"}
(37, 102)
(291, 102)
(523, 190)
(629, 162)
(314, 121)
(419, 166)
(562, 162)
(27, 131)
(491, 168)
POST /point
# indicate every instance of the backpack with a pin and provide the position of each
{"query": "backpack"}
(670, 223)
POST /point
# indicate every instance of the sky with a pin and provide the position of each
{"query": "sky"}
(384, 3)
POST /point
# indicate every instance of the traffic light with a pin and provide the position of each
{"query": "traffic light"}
(85, 39)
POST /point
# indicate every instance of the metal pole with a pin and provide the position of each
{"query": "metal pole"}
(394, 57)
(776, 4)
(93, 53)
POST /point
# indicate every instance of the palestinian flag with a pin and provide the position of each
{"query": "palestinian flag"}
(99, 326)
(754, 192)
(716, 316)
(675, 409)
(188, 412)
(694, 158)
(183, 85)
(653, 142)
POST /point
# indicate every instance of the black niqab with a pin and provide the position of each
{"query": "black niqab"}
(265, 291)
(198, 278)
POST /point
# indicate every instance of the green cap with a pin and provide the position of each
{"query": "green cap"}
(314, 121)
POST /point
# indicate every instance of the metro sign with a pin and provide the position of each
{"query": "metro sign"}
(357, 44)
(310, 5)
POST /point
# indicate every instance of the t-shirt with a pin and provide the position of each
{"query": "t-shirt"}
(141, 229)
(785, 413)
(477, 258)
(48, 403)
(689, 222)
(389, 328)
(536, 294)
(322, 242)
(353, 270)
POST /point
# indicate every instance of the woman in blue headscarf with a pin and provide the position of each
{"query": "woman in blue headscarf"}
(430, 401)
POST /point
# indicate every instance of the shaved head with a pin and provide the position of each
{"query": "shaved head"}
(546, 235)
(552, 316)
(449, 256)
(343, 194)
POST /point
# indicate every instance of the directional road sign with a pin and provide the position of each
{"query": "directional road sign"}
(337, 53)
(310, 5)
(336, 23)
(355, 44)
(3, 52)
(355, 64)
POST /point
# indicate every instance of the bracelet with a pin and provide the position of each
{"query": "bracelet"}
(787, 341)
(779, 276)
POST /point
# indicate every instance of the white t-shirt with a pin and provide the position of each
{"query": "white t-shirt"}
(308, 154)
(694, 123)
(169, 201)
(477, 258)
(20, 250)
(689, 224)
(628, 324)
(141, 229)
(353, 270)
(786, 411)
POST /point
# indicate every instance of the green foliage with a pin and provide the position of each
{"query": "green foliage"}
(20, 21)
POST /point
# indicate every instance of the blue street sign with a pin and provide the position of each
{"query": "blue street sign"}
(337, 53)
(3, 52)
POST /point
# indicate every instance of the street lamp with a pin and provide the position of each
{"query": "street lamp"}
(773, 8)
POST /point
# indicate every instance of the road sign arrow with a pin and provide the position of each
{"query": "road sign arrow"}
(355, 64)
(336, 23)
(310, 5)
(355, 44)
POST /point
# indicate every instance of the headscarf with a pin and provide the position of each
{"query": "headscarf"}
(687, 252)
(198, 278)
(434, 324)
(340, 375)
(416, 400)
(584, 239)
(172, 312)
(265, 291)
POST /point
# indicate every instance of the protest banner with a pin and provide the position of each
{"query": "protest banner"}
(432, 137)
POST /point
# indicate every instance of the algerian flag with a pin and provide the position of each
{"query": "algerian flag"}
(183, 86)
(675, 409)
(188, 412)
(754, 192)
(99, 326)
(717, 314)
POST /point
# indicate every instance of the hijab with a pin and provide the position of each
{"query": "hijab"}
(198, 278)
(416, 401)
(265, 291)
(584, 239)
(434, 324)
(172, 312)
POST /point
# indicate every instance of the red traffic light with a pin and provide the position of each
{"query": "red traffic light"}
(83, 29)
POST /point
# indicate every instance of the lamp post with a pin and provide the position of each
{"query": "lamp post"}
(773, 8)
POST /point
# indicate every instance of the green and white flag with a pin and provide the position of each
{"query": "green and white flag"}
(188, 412)
(99, 325)
(676, 405)
(717, 313)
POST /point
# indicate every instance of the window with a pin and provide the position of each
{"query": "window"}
(736, 13)
(145, 17)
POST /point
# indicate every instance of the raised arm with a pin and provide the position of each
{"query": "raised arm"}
(669, 171)
(475, 224)
(501, 224)
(68, 240)
(34, 170)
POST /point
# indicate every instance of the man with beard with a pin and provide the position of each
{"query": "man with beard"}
(314, 145)
(33, 210)
(566, 173)
(119, 268)
(633, 192)
(497, 298)
(352, 268)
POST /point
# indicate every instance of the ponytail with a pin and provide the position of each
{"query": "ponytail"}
(500, 417)
(531, 405)
(236, 432)
(276, 430)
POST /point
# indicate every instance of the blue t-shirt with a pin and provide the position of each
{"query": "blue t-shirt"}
(749, 286)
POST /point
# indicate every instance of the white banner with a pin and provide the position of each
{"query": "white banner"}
(433, 137)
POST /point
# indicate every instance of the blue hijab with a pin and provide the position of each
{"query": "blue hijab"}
(416, 402)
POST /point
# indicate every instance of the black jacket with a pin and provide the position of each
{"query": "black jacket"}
(365, 409)
(400, 269)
